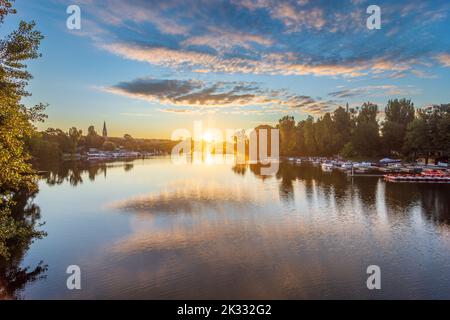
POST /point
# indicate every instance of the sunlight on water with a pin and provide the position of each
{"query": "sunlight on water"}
(151, 229)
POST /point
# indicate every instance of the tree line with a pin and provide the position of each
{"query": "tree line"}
(404, 131)
(52, 143)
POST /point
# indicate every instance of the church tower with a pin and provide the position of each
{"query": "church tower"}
(105, 132)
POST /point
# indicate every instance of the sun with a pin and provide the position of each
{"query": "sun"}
(208, 137)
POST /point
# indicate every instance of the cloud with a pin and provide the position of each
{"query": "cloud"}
(286, 37)
(444, 59)
(190, 96)
(129, 13)
(287, 63)
(225, 40)
(296, 20)
(375, 91)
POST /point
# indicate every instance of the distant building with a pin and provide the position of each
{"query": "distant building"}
(105, 131)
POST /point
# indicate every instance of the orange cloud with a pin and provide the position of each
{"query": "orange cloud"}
(444, 59)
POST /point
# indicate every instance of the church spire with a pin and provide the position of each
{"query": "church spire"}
(105, 132)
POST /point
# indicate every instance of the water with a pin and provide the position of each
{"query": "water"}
(151, 229)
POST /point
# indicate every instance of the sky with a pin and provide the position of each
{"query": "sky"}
(148, 68)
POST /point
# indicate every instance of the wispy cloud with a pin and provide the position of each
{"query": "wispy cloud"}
(376, 91)
(222, 40)
(444, 59)
(273, 37)
(188, 96)
(287, 63)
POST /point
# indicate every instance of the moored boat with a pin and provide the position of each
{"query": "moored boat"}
(427, 176)
(327, 167)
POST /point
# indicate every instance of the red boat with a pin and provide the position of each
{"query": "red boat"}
(430, 176)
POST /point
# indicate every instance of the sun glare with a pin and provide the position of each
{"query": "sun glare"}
(208, 137)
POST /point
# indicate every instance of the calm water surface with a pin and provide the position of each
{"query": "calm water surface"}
(151, 229)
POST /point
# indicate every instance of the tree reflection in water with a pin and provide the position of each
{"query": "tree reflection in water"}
(398, 201)
(14, 277)
(336, 186)
(73, 171)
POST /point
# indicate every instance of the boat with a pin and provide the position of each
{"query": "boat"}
(327, 167)
(347, 165)
(427, 176)
(387, 161)
(362, 164)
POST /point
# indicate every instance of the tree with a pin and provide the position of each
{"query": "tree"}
(74, 136)
(109, 146)
(43, 149)
(366, 136)
(342, 129)
(428, 134)
(356, 132)
(15, 118)
(59, 137)
(16, 175)
(398, 115)
(416, 139)
(443, 130)
(129, 142)
(324, 135)
(310, 140)
(93, 140)
(286, 125)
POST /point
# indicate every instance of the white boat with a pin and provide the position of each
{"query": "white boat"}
(327, 167)
(347, 165)
(362, 164)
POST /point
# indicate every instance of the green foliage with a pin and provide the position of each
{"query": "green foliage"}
(49, 145)
(365, 136)
(129, 142)
(429, 133)
(357, 133)
(348, 151)
(342, 129)
(74, 137)
(398, 115)
(42, 148)
(109, 146)
(93, 140)
(286, 125)
(16, 175)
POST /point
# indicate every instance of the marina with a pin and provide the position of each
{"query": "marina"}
(392, 170)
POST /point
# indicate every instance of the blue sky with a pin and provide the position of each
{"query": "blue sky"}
(150, 67)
